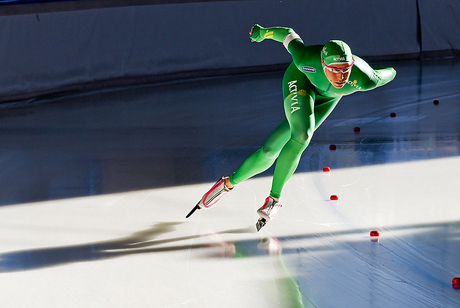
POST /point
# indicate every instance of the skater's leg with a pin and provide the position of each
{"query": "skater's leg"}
(303, 118)
(323, 110)
(302, 123)
(262, 159)
(256, 163)
(299, 102)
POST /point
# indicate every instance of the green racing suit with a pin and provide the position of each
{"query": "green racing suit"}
(309, 98)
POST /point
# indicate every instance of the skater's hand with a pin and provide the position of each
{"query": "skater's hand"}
(254, 33)
(250, 34)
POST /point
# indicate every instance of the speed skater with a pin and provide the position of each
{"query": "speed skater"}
(313, 84)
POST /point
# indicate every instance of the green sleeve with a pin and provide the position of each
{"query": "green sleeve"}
(369, 78)
(385, 76)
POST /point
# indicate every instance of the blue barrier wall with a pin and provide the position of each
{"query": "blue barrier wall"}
(51, 52)
(440, 26)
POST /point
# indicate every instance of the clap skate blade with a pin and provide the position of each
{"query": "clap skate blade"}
(210, 198)
(197, 207)
(260, 223)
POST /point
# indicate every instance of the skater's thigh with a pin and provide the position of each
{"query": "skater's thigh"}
(277, 139)
(302, 121)
(324, 109)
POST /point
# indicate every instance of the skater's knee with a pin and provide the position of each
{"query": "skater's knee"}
(303, 137)
(270, 152)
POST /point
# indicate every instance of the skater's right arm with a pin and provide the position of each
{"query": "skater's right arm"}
(291, 40)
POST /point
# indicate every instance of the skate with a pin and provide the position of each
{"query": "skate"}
(217, 191)
(267, 212)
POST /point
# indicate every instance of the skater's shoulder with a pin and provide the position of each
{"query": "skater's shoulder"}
(363, 75)
(313, 50)
(307, 55)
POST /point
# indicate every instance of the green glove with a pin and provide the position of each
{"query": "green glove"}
(278, 34)
(258, 33)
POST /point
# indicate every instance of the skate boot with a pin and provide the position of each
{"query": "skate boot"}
(267, 212)
(217, 191)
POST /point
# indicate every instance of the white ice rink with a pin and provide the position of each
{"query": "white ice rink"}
(96, 188)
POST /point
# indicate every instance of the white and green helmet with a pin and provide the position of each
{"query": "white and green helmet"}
(336, 52)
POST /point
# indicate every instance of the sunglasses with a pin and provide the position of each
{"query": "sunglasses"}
(336, 70)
